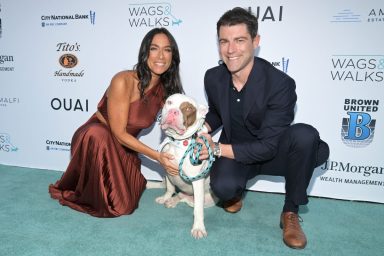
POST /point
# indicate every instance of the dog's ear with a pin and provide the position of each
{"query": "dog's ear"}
(189, 113)
(203, 110)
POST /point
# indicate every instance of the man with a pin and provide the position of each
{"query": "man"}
(254, 104)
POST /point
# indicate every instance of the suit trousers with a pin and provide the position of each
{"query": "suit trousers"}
(300, 151)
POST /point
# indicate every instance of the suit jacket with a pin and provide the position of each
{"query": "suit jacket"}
(269, 105)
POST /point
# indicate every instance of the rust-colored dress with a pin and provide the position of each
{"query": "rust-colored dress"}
(103, 177)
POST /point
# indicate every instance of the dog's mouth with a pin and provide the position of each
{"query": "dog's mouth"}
(172, 129)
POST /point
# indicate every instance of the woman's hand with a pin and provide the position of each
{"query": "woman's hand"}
(165, 160)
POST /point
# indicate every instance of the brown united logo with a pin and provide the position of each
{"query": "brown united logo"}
(68, 60)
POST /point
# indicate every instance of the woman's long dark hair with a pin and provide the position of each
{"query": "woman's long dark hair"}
(169, 79)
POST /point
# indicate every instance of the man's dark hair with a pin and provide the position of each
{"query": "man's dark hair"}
(237, 16)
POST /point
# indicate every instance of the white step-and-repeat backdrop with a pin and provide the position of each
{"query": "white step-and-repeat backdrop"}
(57, 58)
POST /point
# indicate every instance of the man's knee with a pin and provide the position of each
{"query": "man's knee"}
(303, 136)
(225, 190)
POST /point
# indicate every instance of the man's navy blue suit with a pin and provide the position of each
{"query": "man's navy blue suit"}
(266, 142)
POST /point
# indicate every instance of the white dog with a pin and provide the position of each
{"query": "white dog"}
(181, 120)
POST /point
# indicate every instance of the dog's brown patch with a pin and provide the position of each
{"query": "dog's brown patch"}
(189, 113)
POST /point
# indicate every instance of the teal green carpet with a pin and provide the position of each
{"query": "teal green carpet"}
(31, 223)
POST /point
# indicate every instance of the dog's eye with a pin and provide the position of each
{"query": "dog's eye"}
(169, 102)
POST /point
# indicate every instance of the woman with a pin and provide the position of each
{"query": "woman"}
(103, 177)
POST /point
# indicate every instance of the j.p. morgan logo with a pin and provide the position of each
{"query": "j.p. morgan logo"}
(358, 69)
(152, 15)
(358, 128)
(6, 63)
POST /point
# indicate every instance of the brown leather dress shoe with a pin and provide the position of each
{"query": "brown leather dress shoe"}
(293, 235)
(234, 205)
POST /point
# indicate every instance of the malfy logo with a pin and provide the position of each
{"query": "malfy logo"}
(358, 128)
(66, 19)
(6, 101)
(69, 104)
(152, 15)
(6, 144)
(269, 13)
(358, 69)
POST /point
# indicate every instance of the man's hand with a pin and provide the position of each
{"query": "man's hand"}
(204, 151)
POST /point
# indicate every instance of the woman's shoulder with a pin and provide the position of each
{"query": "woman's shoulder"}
(123, 81)
(125, 75)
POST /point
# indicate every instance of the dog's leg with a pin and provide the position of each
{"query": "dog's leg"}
(198, 229)
(170, 190)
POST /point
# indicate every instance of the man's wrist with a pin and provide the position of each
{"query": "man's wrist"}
(216, 149)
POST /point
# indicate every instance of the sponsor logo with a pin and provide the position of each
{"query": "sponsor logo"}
(376, 16)
(67, 19)
(68, 60)
(152, 15)
(269, 13)
(6, 101)
(358, 128)
(358, 69)
(282, 65)
(1, 26)
(345, 168)
(346, 15)
(5, 63)
(6, 144)
(57, 145)
(69, 104)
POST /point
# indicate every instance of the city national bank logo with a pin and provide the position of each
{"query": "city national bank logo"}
(67, 19)
(6, 62)
(68, 61)
(358, 69)
(269, 13)
(282, 65)
(57, 145)
(358, 128)
(6, 144)
(152, 15)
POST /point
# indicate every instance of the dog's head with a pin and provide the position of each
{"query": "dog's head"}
(181, 116)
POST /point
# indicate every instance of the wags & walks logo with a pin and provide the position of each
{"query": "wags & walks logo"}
(152, 15)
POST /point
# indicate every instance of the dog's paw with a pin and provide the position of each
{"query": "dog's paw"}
(198, 233)
(172, 202)
(162, 199)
